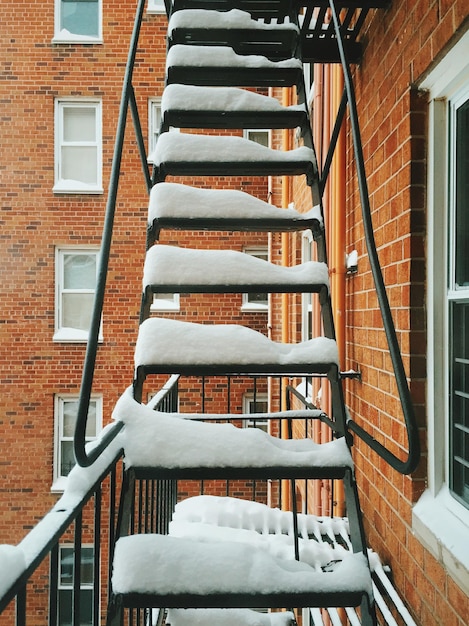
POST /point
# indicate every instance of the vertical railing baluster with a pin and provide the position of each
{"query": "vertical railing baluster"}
(53, 584)
(77, 570)
(97, 555)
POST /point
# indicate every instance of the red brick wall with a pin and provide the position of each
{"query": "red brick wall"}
(402, 43)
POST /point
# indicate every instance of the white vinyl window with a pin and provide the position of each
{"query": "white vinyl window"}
(156, 6)
(260, 136)
(78, 147)
(154, 123)
(76, 272)
(165, 302)
(306, 298)
(65, 591)
(252, 404)
(256, 301)
(79, 21)
(441, 516)
(66, 409)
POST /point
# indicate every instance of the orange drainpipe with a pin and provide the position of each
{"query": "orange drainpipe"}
(338, 245)
(286, 199)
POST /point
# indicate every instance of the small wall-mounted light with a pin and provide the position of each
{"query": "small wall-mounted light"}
(351, 261)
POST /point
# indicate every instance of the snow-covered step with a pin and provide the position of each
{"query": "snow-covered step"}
(182, 154)
(221, 66)
(177, 446)
(274, 39)
(159, 570)
(191, 106)
(187, 270)
(260, 9)
(228, 617)
(176, 206)
(176, 347)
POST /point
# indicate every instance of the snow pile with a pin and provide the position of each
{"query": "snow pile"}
(172, 566)
(236, 513)
(195, 98)
(183, 147)
(171, 265)
(167, 440)
(222, 56)
(175, 343)
(235, 18)
(227, 617)
(182, 201)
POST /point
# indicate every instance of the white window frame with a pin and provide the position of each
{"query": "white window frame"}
(247, 305)
(62, 185)
(84, 586)
(165, 302)
(156, 6)
(154, 122)
(63, 36)
(59, 480)
(248, 134)
(65, 333)
(248, 400)
(439, 520)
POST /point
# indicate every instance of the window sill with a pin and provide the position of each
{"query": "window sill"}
(254, 308)
(59, 484)
(72, 335)
(442, 526)
(69, 38)
(75, 187)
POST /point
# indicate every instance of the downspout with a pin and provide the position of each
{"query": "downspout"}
(338, 246)
(285, 337)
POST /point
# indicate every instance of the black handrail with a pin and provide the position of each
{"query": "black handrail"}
(413, 454)
(83, 458)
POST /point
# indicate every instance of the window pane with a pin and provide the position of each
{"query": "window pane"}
(79, 163)
(70, 411)
(66, 583)
(459, 397)
(79, 123)
(462, 194)
(76, 310)
(259, 136)
(79, 271)
(67, 457)
(80, 17)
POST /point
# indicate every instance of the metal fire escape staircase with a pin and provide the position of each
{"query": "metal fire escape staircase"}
(215, 49)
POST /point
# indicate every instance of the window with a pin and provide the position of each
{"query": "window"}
(257, 301)
(154, 123)
(259, 136)
(165, 302)
(156, 6)
(78, 20)
(78, 147)
(441, 516)
(76, 271)
(66, 409)
(65, 594)
(458, 295)
(252, 404)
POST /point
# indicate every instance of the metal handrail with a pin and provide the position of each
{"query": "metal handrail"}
(84, 458)
(413, 454)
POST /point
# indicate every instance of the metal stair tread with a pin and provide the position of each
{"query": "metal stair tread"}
(235, 28)
(193, 106)
(158, 444)
(220, 65)
(256, 8)
(181, 154)
(177, 206)
(173, 346)
(172, 268)
(187, 574)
